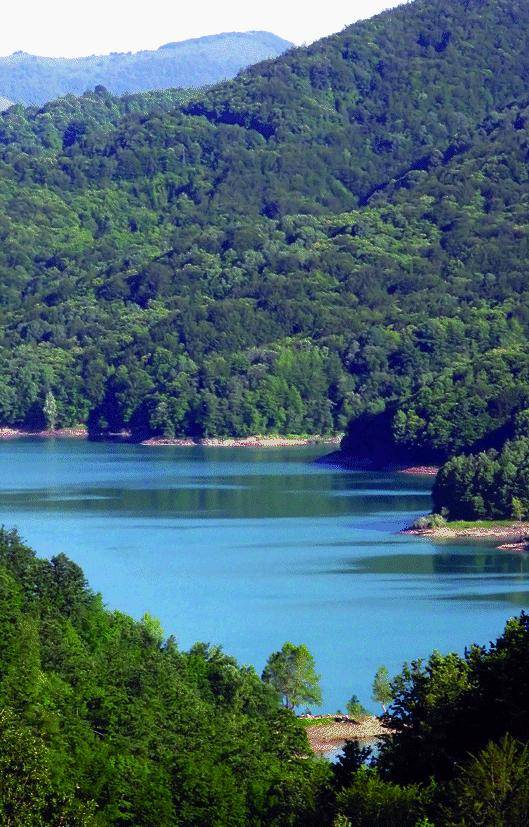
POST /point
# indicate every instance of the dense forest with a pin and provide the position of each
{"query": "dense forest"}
(105, 721)
(487, 485)
(32, 80)
(335, 239)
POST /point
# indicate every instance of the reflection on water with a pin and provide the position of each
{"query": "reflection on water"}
(519, 599)
(250, 548)
(254, 497)
(459, 561)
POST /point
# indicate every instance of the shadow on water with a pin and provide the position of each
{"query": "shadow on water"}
(517, 599)
(442, 563)
(228, 496)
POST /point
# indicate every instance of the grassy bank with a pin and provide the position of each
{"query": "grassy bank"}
(513, 534)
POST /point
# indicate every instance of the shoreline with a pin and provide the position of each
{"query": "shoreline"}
(337, 730)
(336, 458)
(257, 441)
(420, 470)
(512, 534)
(351, 463)
(78, 432)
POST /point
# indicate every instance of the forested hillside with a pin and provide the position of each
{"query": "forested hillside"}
(104, 721)
(30, 79)
(337, 236)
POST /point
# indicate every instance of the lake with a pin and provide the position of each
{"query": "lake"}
(249, 548)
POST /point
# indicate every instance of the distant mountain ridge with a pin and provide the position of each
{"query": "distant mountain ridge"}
(34, 80)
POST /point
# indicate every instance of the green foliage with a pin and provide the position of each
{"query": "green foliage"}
(492, 788)
(50, 410)
(292, 673)
(430, 521)
(518, 508)
(355, 708)
(460, 752)
(319, 241)
(28, 795)
(488, 485)
(369, 801)
(103, 721)
(450, 706)
(382, 691)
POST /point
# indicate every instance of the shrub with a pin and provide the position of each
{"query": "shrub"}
(430, 521)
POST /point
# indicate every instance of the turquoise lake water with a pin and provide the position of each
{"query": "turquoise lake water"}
(249, 548)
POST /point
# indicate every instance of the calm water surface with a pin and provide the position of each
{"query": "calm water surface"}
(250, 548)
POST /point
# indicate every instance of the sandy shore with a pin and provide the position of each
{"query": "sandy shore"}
(512, 534)
(326, 737)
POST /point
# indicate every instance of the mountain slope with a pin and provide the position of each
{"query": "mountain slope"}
(324, 239)
(102, 717)
(388, 90)
(30, 79)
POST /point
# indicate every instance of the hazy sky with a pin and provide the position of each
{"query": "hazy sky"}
(74, 28)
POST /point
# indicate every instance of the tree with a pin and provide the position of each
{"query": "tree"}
(491, 484)
(50, 411)
(153, 628)
(382, 691)
(493, 788)
(292, 673)
(354, 708)
(518, 509)
(160, 420)
(370, 801)
(351, 759)
(28, 795)
(82, 693)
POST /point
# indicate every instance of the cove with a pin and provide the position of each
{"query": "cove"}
(251, 547)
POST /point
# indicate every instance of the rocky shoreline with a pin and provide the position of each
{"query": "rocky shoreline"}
(244, 442)
(257, 441)
(329, 736)
(58, 433)
(421, 470)
(513, 534)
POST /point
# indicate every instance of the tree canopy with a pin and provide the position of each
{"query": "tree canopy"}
(292, 673)
(104, 721)
(336, 236)
(488, 485)
(459, 751)
(382, 691)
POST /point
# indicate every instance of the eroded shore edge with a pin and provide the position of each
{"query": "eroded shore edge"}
(513, 535)
(257, 441)
(327, 733)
